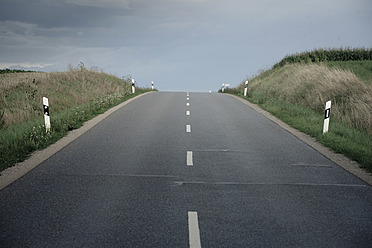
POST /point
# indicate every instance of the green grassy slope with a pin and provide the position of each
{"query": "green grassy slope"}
(74, 96)
(363, 68)
(297, 92)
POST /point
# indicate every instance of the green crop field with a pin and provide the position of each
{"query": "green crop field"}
(327, 55)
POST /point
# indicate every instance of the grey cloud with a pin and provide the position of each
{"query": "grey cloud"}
(56, 15)
(114, 4)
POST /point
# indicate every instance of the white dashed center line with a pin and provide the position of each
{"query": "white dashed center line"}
(187, 104)
(189, 159)
(188, 128)
(194, 234)
(187, 112)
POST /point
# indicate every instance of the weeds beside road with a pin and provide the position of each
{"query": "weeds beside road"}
(74, 97)
(297, 93)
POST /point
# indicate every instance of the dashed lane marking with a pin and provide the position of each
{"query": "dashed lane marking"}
(189, 161)
(194, 234)
(188, 128)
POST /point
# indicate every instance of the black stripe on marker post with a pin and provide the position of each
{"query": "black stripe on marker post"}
(46, 110)
(327, 113)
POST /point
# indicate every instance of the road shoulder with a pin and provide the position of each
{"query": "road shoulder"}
(13, 173)
(347, 164)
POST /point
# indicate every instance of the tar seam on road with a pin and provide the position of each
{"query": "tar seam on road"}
(115, 175)
(194, 234)
(179, 183)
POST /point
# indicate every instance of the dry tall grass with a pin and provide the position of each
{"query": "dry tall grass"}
(312, 85)
(21, 93)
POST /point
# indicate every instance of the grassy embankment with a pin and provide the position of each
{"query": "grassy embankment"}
(296, 92)
(74, 96)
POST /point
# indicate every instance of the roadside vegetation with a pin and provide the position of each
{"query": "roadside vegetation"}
(327, 55)
(74, 97)
(3, 71)
(296, 92)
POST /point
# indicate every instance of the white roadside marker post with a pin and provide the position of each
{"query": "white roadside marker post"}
(46, 114)
(223, 88)
(326, 116)
(152, 85)
(133, 88)
(246, 88)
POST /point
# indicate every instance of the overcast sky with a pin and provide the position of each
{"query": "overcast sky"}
(182, 45)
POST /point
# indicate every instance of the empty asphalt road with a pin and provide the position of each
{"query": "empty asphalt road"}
(186, 170)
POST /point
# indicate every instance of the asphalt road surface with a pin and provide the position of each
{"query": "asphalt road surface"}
(171, 170)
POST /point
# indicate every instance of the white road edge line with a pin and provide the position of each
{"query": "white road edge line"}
(188, 128)
(187, 112)
(189, 159)
(194, 234)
